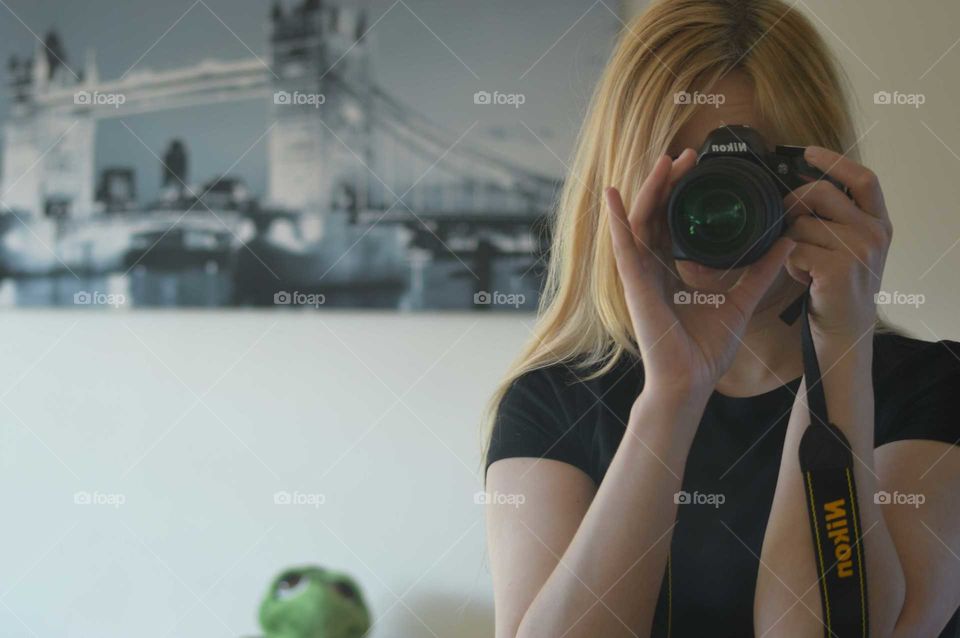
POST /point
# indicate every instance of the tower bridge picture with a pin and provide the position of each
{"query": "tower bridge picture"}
(368, 203)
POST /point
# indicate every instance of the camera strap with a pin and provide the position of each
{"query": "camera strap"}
(826, 462)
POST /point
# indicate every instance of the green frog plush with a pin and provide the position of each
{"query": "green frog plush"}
(312, 602)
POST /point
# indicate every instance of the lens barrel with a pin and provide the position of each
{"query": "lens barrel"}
(725, 212)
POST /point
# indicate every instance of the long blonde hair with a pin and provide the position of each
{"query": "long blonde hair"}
(673, 46)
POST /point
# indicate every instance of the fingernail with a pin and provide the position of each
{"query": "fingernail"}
(811, 152)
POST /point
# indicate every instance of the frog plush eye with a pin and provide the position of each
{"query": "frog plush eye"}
(291, 586)
(345, 589)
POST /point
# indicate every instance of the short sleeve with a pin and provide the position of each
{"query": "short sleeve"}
(923, 396)
(532, 421)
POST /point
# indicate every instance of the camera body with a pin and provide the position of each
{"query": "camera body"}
(728, 210)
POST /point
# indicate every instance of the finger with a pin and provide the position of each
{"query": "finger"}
(797, 274)
(806, 261)
(863, 183)
(810, 229)
(642, 214)
(681, 166)
(625, 250)
(642, 281)
(759, 276)
(825, 200)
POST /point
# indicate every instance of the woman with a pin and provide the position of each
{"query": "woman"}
(603, 448)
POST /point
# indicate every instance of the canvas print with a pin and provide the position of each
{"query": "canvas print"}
(283, 154)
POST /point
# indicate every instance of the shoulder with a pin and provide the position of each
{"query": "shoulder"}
(567, 388)
(544, 412)
(902, 363)
(917, 388)
(893, 349)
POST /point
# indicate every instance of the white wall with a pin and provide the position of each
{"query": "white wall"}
(197, 419)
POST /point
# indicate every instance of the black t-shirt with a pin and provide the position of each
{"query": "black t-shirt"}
(552, 413)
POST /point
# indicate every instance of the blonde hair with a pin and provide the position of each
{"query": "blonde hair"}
(673, 46)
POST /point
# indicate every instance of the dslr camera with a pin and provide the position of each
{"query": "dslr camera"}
(728, 210)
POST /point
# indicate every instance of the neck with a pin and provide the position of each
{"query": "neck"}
(769, 355)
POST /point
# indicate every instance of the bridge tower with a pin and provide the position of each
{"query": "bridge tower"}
(48, 155)
(321, 104)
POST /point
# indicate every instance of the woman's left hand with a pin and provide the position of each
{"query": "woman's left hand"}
(841, 246)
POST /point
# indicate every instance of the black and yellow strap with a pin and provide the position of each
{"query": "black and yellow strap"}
(826, 462)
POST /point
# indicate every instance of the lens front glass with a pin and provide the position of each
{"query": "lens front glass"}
(714, 216)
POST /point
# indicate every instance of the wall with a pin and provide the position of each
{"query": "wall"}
(196, 420)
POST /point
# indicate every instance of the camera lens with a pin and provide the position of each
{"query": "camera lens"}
(712, 214)
(726, 212)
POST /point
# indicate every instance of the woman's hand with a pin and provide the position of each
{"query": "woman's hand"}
(685, 347)
(841, 247)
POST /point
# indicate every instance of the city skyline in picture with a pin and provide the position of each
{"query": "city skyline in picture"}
(338, 156)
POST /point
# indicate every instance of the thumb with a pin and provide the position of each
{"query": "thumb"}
(759, 276)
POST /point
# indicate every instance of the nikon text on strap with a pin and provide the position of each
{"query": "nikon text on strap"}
(826, 462)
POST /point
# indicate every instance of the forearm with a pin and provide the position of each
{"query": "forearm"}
(609, 577)
(788, 594)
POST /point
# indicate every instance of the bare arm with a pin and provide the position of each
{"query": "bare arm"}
(787, 601)
(912, 545)
(927, 533)
(566, 566)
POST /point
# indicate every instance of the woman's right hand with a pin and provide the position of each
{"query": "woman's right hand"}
(685, 348)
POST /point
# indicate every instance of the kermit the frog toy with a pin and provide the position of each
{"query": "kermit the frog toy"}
(312, 602)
